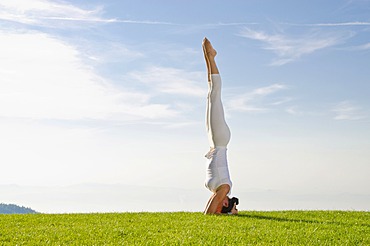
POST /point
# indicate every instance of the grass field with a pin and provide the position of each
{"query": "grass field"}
(183, 228)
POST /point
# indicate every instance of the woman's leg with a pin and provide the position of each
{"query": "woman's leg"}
(217, 129)
(209, 56)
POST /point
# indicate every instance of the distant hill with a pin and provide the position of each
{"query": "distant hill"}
(15, 209)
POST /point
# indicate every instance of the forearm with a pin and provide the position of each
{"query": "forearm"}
(214, 205)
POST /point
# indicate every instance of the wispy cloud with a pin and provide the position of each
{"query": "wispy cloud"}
(35, 12)
(359, 47)
(247, 102)
(347, 110)
(333, 24)
(53, 13)
(171, 81)
(114, 20)
(289, 48)
(293, 110)
(364, 46)
(103, 52)
(264, 91)
(45, 78)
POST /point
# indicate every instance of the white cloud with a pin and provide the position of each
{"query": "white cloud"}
(283, 100)
(333, 24)
(172, 81)
(364, 46)
(289, 49)
(293, 110)
(347, 110)
(102, 53)
(44, 78)
(35, 12)
(354, 23)
(55, 13)
(360, 47)
(247, 101)
(264, 91)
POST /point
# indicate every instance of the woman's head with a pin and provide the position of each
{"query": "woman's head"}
(228, 204)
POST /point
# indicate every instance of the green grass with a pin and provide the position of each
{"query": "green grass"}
(182, 228)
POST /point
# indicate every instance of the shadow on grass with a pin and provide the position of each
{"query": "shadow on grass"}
(271, 218)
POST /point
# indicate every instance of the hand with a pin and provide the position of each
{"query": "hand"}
(234, 210)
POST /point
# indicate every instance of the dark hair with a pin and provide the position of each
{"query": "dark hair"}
(231, 205)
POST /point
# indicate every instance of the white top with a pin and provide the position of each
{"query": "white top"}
(217, 169)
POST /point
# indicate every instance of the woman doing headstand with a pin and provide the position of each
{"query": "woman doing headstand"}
(218, 177)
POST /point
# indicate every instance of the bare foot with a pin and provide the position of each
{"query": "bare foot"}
(209, 56)
(208, 50)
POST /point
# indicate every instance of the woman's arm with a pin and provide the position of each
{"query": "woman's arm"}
(234, 210)
(214, 205)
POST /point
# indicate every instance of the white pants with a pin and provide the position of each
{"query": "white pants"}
(217, 129)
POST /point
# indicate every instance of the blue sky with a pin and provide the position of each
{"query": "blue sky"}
(113, 93)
